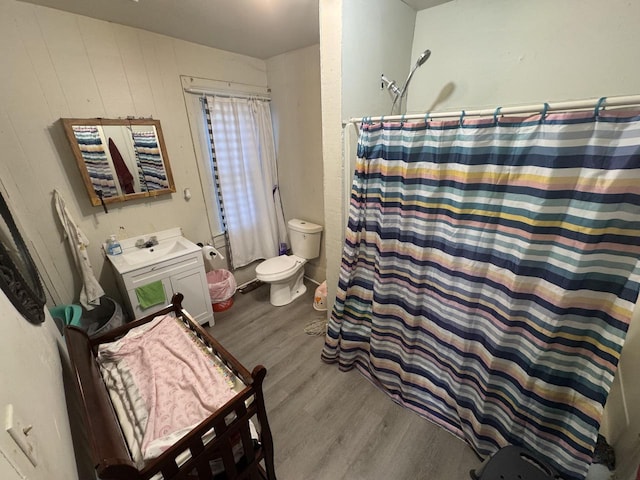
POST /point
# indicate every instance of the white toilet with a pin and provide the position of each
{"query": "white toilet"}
(285, 273)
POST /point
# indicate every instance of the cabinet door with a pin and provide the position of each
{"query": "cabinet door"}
(138, 312)
(193, 285)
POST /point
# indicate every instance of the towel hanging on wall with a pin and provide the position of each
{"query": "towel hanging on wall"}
(78, 242)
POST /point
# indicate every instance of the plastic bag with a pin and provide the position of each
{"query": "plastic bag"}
(222, 285)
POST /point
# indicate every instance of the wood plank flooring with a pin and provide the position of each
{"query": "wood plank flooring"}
(327, 424)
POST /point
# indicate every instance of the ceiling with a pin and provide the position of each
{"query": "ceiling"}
(257, 28)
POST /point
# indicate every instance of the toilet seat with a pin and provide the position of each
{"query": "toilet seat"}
(278, 268)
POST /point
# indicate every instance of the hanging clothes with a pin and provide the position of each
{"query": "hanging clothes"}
(78, 242)
(489, 274)
(244, 163)
(122, 171)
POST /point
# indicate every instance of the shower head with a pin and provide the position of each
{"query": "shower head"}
(424, 56)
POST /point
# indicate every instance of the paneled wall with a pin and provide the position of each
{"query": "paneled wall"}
(57, 64)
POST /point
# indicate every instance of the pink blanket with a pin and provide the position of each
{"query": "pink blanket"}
(165, 378)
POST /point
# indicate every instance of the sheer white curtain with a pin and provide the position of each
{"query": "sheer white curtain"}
(245, 161)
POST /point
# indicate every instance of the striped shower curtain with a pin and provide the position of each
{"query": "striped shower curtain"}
(489, 274)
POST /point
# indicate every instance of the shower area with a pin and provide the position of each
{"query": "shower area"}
(491, 269)
(410, 173)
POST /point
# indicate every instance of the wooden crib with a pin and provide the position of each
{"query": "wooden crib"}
(190, 457)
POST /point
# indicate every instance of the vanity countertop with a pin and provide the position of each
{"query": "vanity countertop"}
(171, 244)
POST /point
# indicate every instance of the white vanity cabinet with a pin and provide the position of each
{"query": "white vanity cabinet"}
(180, 271)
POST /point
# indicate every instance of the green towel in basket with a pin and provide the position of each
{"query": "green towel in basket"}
(150, 294)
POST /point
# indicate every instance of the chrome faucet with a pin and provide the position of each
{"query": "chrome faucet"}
(142, 243)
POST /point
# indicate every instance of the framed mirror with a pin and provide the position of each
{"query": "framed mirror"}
(19, 278)
(120, 160)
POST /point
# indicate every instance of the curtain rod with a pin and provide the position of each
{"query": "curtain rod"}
(227, 94)
(600, 103)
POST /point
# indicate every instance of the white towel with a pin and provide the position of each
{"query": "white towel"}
(91, 290)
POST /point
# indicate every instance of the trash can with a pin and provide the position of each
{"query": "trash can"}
(106, 316)
(222, 287)
(320, 297)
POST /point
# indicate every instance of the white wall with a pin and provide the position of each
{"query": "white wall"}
(360, 40)
(331, 87)
(506, 52)
(376, 38)
(294, 79)
(57, 64)
(32, 381)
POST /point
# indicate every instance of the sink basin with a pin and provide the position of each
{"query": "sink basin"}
(169, 246)
(154, 254)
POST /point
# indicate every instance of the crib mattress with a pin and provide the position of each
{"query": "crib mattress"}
(163, 382)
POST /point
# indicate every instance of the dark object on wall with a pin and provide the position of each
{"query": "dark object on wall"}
(511, 463)
(19, 278)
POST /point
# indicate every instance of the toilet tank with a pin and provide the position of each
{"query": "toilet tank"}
(305, 238)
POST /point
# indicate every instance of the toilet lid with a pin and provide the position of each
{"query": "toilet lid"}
(275, 265)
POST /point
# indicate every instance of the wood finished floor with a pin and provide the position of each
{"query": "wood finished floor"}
(327, 424)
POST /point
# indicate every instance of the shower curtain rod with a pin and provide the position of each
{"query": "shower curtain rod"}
(226, 94)
(601, 103)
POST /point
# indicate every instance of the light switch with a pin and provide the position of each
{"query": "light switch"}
(22, 433)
